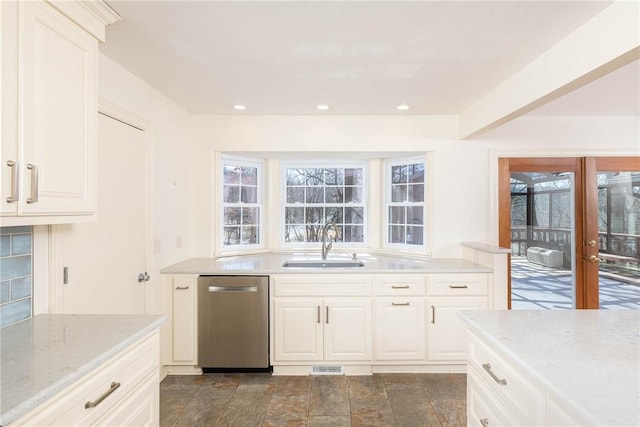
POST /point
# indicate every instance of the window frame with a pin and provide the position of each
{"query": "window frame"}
(324, 164)
(226, 160)
(387, 204)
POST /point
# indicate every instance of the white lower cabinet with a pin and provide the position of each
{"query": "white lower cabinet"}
(447, 333)
(447, 294)
(322, 329)
(123, 391)
(179, 339)
(321, 318)
(399, 317)
(399, 325)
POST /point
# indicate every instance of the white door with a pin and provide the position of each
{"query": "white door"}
(104, 258)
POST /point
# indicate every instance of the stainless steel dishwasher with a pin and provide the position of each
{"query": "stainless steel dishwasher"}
(233, 322)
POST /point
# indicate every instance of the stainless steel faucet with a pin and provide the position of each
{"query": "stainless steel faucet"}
(326, 242)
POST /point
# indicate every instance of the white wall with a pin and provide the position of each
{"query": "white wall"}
(171, 136)
(460, 176)
(464, 172)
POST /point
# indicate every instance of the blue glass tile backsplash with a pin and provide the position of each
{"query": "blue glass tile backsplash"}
(16, 246)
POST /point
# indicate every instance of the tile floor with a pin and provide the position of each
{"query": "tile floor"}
(241, 400)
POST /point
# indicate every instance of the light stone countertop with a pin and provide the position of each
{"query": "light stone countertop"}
(586, 360)
(40, 357)
(271, 263)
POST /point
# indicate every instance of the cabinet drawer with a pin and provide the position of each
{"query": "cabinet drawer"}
(140, 408)
(457, 284)
(398, 285)
(128, 369)
(512, 388)
(321, 285)
(483, 409)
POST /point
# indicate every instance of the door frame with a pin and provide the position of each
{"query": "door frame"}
(506, 165)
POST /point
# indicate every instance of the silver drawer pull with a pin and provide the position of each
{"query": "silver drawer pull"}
(114, 387)
(458, 286)
(484, 422)
(399, 287)
(487, 367)
(14, 182)
(181, 288)
(399, 303)
(34, 183)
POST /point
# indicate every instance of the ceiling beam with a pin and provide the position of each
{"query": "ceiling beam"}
(603, 44)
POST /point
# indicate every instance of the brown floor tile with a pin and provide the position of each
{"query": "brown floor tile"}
(450, 412)
(371, 412)
(201, 412)
(445, 386)
(243, 400)
(414, 412)
(247, 409)
(329, 421)
(293, 386)
(170, 409)
(367, 387)
(329, 396)
(287, 410)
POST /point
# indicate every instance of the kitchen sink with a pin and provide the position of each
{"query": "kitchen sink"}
(305, 263)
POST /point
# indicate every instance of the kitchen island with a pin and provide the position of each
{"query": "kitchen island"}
(53, 365)
(573, 367)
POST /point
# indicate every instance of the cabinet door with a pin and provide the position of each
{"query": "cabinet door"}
(9, 108)
(57, 113)
(400, 329)
(447, 334)
(347, 329)
(183, 343)
(297, 329)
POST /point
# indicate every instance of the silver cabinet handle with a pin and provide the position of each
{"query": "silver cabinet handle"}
(114, 387)
(396, 304)
(487, 367)
(143, 277)
(433, 314)
(14, 182)
(34, 183)
(458, 286)
(318, 314)
(399, 287)
(233, 289)
(484, 422)
(181, 288)
(326, 320)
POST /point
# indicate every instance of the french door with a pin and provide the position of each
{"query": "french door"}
(573, 225)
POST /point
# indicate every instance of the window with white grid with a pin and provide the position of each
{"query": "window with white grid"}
(241, 204)
(317, 194)
(405, 206)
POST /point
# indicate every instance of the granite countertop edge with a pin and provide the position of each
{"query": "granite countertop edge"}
(56, 387)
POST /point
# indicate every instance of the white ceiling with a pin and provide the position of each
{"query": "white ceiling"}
(359, 57)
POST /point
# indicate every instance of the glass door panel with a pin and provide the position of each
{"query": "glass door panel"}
(618, 240)
(543, 240)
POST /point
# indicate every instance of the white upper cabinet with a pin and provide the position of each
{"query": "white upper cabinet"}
(49, 115)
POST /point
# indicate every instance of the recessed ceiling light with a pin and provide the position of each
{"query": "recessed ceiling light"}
(239, 107)
(322, 107)
(403, 107)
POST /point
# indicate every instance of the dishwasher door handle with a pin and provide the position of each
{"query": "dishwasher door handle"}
(233, 289)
